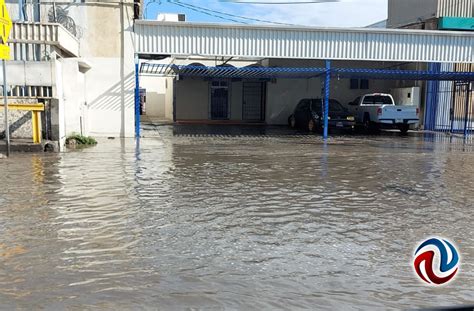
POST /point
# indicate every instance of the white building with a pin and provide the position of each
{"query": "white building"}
(77, 57)
(236, 97)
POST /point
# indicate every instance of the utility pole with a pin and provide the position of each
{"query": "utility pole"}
(5, 27)
(5, 106)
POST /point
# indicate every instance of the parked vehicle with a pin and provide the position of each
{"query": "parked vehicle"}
(308, 115)
(379, 110)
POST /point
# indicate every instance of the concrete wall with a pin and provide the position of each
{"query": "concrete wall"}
(155, 95)
(192, 100)
(73, 98)
(20, 125)
(29, 73)
(402, 12)
(105, 32)
(108, 48)
(169, 98)
(284, 94)
(159, 96)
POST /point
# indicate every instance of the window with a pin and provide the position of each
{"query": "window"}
(334, 105)
(377, 100)
(354, 84)
(364, 84)
(303, 105)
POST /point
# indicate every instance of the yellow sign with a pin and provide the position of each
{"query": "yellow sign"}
(4, 52)
(5, 22)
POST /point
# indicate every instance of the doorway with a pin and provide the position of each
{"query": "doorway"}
(219, 109)
(253, 105)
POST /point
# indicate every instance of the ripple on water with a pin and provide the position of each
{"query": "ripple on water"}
(233, 221)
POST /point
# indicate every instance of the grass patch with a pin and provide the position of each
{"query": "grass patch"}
(78, 139)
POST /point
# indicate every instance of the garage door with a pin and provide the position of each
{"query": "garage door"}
(253, 101)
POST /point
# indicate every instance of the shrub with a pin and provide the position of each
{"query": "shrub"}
(78, 139)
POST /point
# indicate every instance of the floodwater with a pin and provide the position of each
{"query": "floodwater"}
(205, 218)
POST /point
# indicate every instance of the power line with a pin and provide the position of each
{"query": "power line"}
(204, 11)
(201, 9)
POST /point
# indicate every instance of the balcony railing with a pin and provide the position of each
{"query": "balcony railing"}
(36, 41)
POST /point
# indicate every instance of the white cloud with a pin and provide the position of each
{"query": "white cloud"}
(347, 13)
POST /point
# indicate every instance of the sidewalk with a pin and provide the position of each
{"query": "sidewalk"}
(21, 145)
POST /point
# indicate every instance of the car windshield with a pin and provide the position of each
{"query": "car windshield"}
(334, 105)
(377, 100)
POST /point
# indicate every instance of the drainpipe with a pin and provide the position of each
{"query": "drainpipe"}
(20, 10)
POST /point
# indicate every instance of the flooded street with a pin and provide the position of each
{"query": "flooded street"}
(234, 219)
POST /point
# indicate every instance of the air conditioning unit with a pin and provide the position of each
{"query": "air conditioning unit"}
(171, 17)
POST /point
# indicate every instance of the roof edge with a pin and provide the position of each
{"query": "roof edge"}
(308, 29)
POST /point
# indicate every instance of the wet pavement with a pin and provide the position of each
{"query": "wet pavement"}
(235, 218)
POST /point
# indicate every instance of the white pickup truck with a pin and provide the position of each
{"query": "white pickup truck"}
(379, 110)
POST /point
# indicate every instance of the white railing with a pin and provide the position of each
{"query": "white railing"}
(35, 41)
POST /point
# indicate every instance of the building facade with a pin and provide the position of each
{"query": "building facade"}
(449, 104)
(212, 98)
(78, 59)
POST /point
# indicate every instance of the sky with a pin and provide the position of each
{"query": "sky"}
(346, 13)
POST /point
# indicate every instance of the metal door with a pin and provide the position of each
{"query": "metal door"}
(219, 100)
(253, 101)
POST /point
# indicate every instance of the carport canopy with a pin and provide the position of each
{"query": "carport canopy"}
(221, 72)
(250, 72)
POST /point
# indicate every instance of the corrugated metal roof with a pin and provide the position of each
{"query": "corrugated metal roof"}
(456, 8)
(167, 38)
(298, 73)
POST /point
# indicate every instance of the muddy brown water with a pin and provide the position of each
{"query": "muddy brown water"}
(210, 219)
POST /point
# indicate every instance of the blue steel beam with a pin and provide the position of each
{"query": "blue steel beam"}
(327, 86)
(137, 99)
(302, 73)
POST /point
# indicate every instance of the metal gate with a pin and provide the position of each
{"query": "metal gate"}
(219, 109)
(461, 113)
(253, 104)
(450, 107)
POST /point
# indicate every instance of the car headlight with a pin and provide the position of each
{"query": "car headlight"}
(350, 118)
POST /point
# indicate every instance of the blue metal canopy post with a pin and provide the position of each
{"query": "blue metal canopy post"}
(467, 109)
(327, 86)
(137, 99)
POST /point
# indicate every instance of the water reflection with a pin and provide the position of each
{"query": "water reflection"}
(235, 220)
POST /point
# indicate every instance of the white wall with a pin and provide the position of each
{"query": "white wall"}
(155, 95)
(110, 102)
(284, 95)
(110, 84)
(73, 97)
(105, 32)
(169, 98)
(192, 99)
(29, 73)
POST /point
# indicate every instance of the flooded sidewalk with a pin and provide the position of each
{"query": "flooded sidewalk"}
(235, 218)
